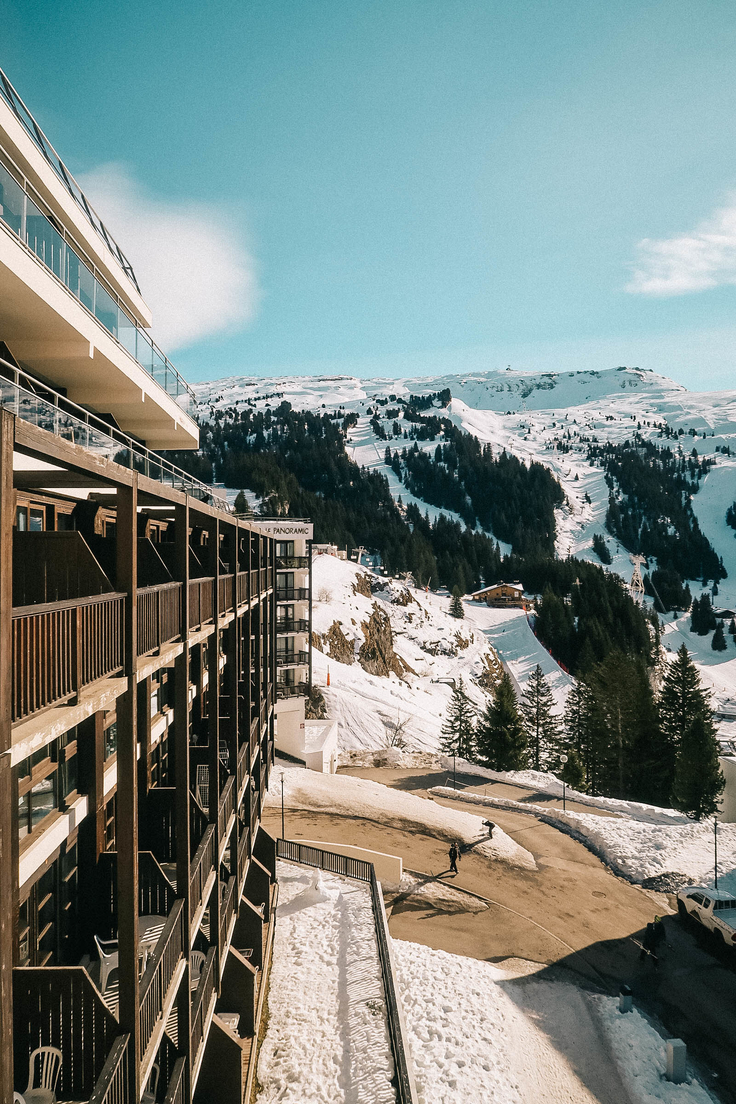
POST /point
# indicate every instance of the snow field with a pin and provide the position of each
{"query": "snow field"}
(344, 795)
(640, 1054)
(327, 1039)
(636, 849)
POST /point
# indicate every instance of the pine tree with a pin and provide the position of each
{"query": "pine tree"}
(698, 778)
(500, 737)
(456, 603)
(682, 698)
(718, 643)
(541, 726)
(458, 728)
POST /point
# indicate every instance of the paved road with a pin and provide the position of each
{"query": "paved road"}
(571, 912)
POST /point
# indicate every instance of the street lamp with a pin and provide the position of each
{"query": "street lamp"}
(454, 781)
(283, 834)
(563, 760)
(715, 846)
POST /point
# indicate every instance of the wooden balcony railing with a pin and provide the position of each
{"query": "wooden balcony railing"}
(265, 574)
(201, 866)
(160, 973)
(227, 912)
(198, 821)
(253, 584)
(244, 848)
(175, 1093)
(160, 823)
(242, 769)
(60, 1006)
(156, 895)
(201, 1005)
(242, 587)
(201, 604)
(226, 810)
(225, 585)
(114, 1085)
(61, 647)
(159, 616)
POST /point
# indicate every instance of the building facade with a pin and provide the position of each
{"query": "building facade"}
(138, 673)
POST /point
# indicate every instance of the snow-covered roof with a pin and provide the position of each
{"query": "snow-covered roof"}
(495, 586)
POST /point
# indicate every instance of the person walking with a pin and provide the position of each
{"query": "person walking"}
(453, 853)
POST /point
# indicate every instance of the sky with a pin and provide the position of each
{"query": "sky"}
(406, 186)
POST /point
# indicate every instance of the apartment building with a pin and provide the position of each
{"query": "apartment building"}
(138, 670)
(293, 550)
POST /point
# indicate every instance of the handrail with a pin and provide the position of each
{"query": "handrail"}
(295, 625)
(364, 872)
(200, 1005)
(63, 418)
(292, 594)
(160, 972)
(64, 603)
(227, 911)
(114, 1085)
(292, 563)
(291, 689)
(200, 867)
(292, 659)
(177, 1083)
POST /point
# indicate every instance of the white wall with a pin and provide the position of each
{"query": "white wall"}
(728, 799)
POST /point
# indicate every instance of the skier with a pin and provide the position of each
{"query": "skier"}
(453, 858)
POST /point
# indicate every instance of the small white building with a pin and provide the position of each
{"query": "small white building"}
(728, 797)
(313, 743)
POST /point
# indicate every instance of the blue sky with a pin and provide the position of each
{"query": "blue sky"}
(392, 186)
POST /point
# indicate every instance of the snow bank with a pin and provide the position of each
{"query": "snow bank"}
(546, 782)
(640, 1054)
(636, 849)
(459, 1024)
(327, 1039)
(343, 795)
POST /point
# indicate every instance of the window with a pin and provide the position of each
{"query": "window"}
(111, 737)
(37, 790)
(21, 519)
(36, 519)
(697, 898)
(285, 549)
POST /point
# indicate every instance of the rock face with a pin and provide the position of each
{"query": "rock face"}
(377, 655)
(340, 648)
(316, 641)
(362, 585)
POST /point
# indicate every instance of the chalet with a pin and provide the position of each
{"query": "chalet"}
(501, 595)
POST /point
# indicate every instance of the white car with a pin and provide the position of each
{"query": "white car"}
(713, 908)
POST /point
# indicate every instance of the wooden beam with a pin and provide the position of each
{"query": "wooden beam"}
(8, 804)
(213, 726)
(182, 799)
(127, 804)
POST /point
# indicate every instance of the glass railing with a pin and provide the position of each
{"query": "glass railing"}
(15, 103)
(25, 218)
(65, 419)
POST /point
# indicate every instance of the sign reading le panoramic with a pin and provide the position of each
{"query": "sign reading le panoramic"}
(288, 529)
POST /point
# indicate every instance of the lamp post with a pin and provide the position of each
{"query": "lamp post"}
(283, 834)
(563, 760)
(715, 846)
(454, 781)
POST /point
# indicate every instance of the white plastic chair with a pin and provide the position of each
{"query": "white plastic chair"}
(149, 1096)
(18, 1099)
(196, 962)
(47, 1060)
(108, 959)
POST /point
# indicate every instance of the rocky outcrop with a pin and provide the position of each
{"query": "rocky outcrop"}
(377, 655)
(362, 585)
(340, 648)
(316, 641)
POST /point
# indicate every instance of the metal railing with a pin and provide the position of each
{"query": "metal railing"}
(292, 594)
(291, 689)
(292, 563)
(292, 659)
(364, 872)
(43, 407)
(297, 625)
(226, 810)
(37, 136)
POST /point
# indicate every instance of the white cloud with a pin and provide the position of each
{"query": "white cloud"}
(189, 258)
(704, 258)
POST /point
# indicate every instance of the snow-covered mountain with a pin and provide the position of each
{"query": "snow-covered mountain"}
(528, 414)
